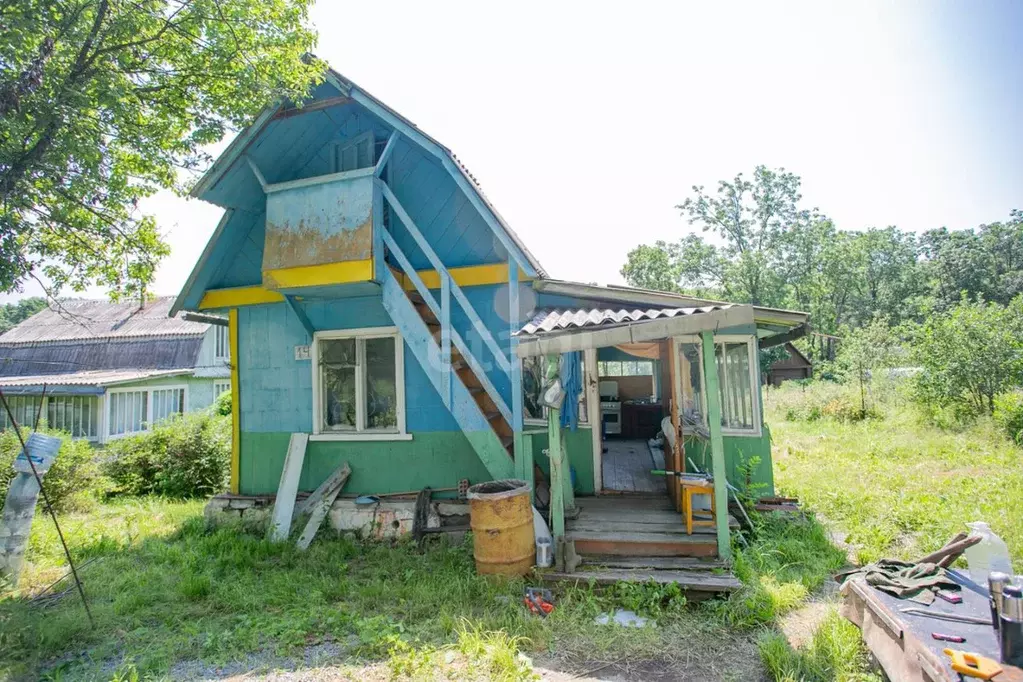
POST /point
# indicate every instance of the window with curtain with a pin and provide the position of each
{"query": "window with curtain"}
(738, 388)
(167, 402)
(128, 412)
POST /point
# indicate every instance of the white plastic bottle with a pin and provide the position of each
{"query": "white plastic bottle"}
(990, 554)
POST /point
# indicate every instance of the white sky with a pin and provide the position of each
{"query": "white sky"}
(586, 123)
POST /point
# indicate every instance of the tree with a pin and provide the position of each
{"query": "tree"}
(689, 266)
(970, 353)
(13, 314)
(104, 102)
(750, 216)
(864, 350)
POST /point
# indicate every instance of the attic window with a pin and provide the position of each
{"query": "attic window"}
(356, 153)
(221, 347)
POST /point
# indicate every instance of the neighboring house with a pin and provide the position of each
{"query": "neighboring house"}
(794, 365)
(111, 369)
(378, 302)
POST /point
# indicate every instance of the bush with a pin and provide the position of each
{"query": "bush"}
(1009, 415)
(222, 405)
(185, 456)
(821, 400)
(73, 481)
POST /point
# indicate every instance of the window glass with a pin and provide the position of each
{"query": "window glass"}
(337, 378)
(736, 386)
(167, 402)
(381, 388)
(75, 414)
(24, 408)
(128, 411)
(532, 382)
(221, 387)
(221, 346)
(692, 382)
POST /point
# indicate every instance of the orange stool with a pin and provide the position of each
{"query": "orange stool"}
(696, 487)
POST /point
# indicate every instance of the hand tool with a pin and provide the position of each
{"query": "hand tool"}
(958, 639)
(946, 616)
(973, 665)
(539, 601)
(949, 597)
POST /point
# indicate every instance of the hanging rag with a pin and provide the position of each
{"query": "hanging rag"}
(905, 580)
(572, 382)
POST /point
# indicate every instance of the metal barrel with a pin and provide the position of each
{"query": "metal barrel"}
(501, 516)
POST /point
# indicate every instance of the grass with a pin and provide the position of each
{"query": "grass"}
(168, 590)
(896, 486)
(836, 652)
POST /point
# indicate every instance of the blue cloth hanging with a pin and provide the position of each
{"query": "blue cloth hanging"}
(572, 382)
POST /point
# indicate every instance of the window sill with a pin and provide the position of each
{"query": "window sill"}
(356, 437)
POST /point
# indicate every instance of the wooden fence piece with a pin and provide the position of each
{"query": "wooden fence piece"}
(324, 500)
(287, 491)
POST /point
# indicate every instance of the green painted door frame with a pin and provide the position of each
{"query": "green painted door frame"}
(717, 445)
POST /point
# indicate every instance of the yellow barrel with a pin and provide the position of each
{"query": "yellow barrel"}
(501, 516)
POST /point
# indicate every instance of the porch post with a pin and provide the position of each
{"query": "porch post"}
(557, 463)
(717, 445)
(515, 374)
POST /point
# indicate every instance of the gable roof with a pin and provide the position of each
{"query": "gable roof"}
(235, 152)
(97, 320)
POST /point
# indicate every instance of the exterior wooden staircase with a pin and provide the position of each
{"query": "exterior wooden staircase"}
(461, 368)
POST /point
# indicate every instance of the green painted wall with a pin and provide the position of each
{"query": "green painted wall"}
(437, 460)
(579, 445)
(739, 450)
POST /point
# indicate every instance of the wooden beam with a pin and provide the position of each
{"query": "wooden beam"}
(327, 274)
(468, 276)
(320, 503)
(255, 171)
(674, 456)
(238, 296)
(287, 491)
(236, 431)
(300, 314)
(778, 339)
(311, 107)
(554, 454)
(717, 445)
(385, 155)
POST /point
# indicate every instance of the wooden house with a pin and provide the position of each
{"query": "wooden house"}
(111, 369)
(793, 367)
(379, 302)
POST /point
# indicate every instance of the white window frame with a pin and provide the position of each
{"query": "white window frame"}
(97, 424)
(221, 341)
(148, 422)
(360, 433)
(751, 346)
(219, 382)
(584, 400)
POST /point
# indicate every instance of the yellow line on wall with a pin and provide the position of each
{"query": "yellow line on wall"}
(344, 272)
(236, 417)
(238, 296)
(467, 276)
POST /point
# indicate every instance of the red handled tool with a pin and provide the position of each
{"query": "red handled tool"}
(958, 639)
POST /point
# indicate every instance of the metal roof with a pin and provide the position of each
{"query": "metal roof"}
(548, 320)
(88, 378)
(92, 320)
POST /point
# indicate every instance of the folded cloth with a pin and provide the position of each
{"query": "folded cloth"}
(905, 580)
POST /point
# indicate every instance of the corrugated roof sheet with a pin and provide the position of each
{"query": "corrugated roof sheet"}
(95, 320)
(546, 321)
(131, 354)
(91, 378)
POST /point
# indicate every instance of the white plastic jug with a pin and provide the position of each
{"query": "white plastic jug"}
(990, 554)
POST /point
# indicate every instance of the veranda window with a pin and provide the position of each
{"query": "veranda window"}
(221, 343)
(534, 369)
(24, 408)
(737, 383)
(76, 414)
(133, 410)
(358, 383)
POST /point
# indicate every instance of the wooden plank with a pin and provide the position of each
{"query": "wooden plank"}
(658, 563)
(557, 462)
(236, 410)
(284, 504)
(336, 480)
(601, 545)
(671, 528)
(687, 580)
(717, 443)
(324, 497)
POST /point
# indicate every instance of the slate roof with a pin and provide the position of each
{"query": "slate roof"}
(88, 378)
(549, 320)
(91, 320)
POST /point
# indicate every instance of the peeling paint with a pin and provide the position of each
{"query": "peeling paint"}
(288, 247)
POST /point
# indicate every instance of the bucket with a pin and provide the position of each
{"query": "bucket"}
(501, 516)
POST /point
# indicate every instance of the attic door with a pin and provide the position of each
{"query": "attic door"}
(355, 154)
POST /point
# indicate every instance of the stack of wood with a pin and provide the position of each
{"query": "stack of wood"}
(777, 504)
(952, 550)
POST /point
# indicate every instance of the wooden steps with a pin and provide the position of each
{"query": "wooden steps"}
(695, 581)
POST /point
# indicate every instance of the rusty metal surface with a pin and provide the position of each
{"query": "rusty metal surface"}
(559, 319)
(503, 541)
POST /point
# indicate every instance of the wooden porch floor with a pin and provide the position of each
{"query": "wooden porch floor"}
(642, 538)
(626, 466)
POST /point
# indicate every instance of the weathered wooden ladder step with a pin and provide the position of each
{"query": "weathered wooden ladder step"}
(695, 581)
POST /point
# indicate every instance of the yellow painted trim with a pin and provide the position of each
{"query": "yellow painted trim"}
(236, 417)
(467, 276)
(343, 272)
(238, 296)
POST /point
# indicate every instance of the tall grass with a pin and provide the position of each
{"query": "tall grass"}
(897, 486)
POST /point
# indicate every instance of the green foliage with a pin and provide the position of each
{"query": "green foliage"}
(970, 354)
(835, 654)
(103, 103)
(1008, 414)
(185, 456)
(821, 400)
(74, 479)
(222, 404)
(13, 314)
(862, 352)
(651, 600)
(895, 488)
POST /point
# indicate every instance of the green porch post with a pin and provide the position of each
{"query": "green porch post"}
(555, 455)
(717, 445)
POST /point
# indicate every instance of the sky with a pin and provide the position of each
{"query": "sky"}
(587, 123)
